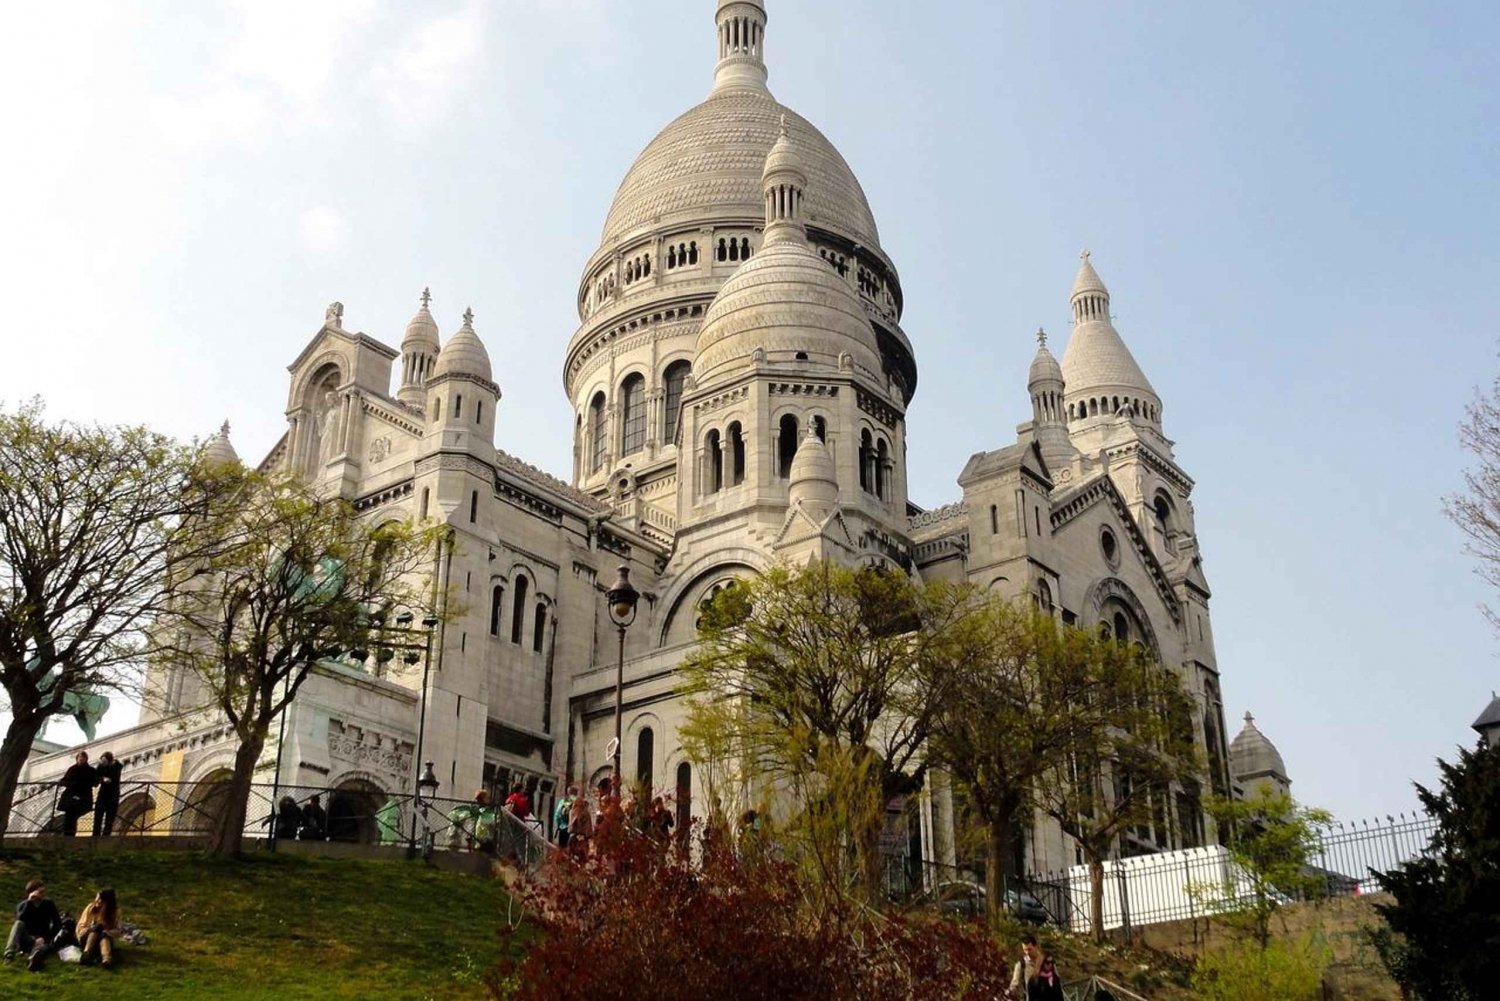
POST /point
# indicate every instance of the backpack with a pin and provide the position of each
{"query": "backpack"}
(560, 813)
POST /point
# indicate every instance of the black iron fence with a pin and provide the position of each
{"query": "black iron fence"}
(1203, 882)
(148, 809)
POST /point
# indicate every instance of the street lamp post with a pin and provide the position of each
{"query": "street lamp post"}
(622, 599)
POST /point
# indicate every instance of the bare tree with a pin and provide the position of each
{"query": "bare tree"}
(1477, 512)
(86, 520)
(290, 579)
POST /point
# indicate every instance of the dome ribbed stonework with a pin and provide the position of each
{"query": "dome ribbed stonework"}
(464, 354)
(707, 165)
(1252, 755)
(784, 301)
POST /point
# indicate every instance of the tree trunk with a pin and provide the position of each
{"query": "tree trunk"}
(229, 827)
(14, 750)
(999, 848)
(1096, 897)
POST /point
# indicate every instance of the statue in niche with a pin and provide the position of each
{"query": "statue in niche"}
(328, 427)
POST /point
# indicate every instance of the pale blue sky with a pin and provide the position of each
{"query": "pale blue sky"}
(1294, 206)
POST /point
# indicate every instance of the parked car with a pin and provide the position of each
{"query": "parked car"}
(967, 898)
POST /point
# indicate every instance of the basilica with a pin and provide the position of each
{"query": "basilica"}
(739, 383)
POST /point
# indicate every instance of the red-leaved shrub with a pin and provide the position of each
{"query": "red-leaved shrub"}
(638, 920)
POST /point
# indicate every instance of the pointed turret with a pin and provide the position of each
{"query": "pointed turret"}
(1045, 385)
(813, 482)
(784, 183)
(1103, 379)
(419, 354)
(742, 36)
(1255, 761)
(218, 451)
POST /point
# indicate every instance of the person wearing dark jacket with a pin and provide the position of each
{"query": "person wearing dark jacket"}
(77, 792)
(37, 926)
(314, 820)
(107, 803)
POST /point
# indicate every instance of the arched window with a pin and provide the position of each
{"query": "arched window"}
(598, 432)
(723, 252)
(674, 379)
(646, 267)
(820, 428)
(713, 474)
(736, 454)
(633, 414)
(645, 750)
(994, 519)
(478, 412)
(458, 407)
(671, 257)
(497, 596)
(745, 249)
(1121, 627)
(1162, 508)
(437, 408)
(1044, 597)
(539, 630)
(787, 445)
(866, 462)
(882, 471)
(684, 798)
(473, 507)
(734, 250)
(518, 614)
(693, 252)
(426, 495)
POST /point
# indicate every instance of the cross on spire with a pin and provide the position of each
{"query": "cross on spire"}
(224, 431)
(1041, 337)
(469, 317)
(426, 297)
(1084, 256)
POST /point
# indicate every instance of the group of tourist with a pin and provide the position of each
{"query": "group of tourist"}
(88, 787)
(575, 818)
(41, 929)
(307, 821)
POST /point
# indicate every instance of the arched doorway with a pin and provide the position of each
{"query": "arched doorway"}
(352, 809)
(204, 804)
(135, 814)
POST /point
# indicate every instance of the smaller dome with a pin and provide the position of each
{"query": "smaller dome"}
(814, 478)
(218, 451)
(1088, 279)
(785, 156)
(1252, 755)
(1044, 367)
(422, 331)
(464, 353)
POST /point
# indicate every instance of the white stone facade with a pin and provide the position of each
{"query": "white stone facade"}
(739, 383)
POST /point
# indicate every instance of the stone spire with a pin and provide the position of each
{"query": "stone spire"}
(1103, 379)
(419, 353)
(218, 451)
(465, 353)
(813, 482)
(742, 39)
(784, 183)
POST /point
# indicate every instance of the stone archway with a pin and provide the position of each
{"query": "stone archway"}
(352, 809)
(204, 804)
(135, 815)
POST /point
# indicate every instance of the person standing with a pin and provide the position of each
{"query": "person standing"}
(580, 823)
(36, 928)
(77, 792)
(107, 802)
(314, 820)
(1035, 977)
(561, 814)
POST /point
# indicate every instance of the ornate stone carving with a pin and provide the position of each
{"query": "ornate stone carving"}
(380, 449)
(369, 749)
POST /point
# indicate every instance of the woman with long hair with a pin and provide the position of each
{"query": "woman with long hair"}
(98, 925)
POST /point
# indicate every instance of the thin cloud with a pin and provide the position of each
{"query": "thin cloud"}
(419, 85)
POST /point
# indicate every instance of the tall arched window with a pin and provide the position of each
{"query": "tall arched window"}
(633, 414)
(736, 455)
(674, 379)
(882, 471)
(786, 445)
(598, 433)
(866, 462)
(820, 428)
(539, 630)
(684, 798)
(645, 751)
(497, 596)
(713, 462)
(518, 614)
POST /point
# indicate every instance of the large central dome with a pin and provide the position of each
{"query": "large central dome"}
(707, 165)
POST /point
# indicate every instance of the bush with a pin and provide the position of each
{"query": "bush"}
(641, 921)
(1282, 971)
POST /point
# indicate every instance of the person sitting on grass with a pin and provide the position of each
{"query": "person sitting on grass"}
(97, 927)
(37, 926)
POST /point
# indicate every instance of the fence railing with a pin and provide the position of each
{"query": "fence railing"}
(148, 809)
(1203, 882)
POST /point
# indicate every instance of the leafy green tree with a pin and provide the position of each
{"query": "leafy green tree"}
(824, 682)
(86, 549)
(1272, 841)
(292, 579)
(1027, 697)
(1442, 934)
(1121, 769)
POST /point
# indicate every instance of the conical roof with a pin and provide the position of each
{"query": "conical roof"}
(1044, 367)
(1097, 363)
(422, 331)
(219, 451)
(464, 354)
(1252, 755)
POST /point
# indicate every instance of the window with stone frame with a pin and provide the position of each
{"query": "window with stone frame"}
(633, 414)
(598, 433)
(674, 381)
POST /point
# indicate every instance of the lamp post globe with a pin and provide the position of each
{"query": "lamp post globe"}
(622, 600)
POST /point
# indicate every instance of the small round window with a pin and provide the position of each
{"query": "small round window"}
(1110, 546)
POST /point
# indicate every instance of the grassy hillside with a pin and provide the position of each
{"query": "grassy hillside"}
(280, 927)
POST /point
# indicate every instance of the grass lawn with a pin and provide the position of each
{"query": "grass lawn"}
(265, 926)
